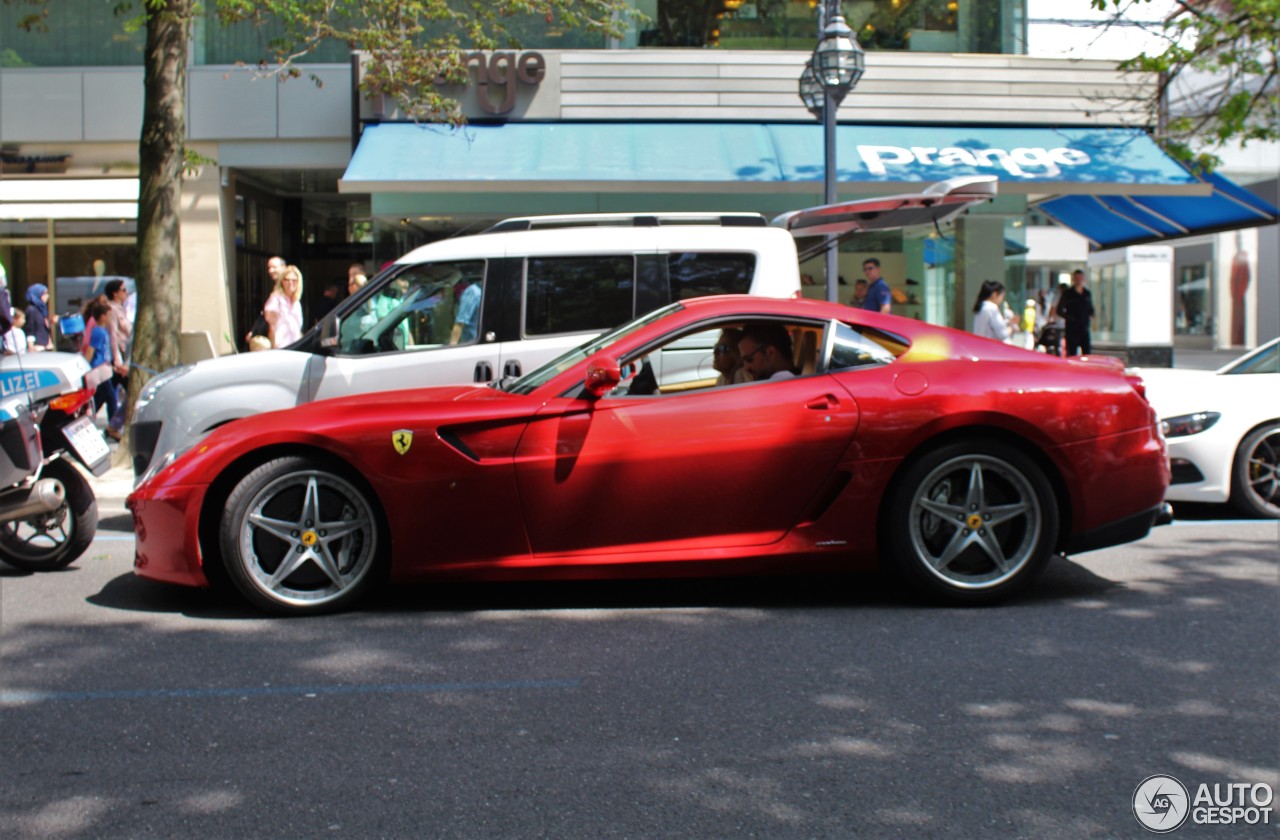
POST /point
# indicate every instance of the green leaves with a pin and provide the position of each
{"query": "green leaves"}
(1218, 81)
(410, 46)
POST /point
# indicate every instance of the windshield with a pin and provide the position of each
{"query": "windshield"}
(417, 309)
(536, 379)
(1266, 359)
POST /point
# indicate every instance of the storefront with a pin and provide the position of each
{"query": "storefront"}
(52, 229)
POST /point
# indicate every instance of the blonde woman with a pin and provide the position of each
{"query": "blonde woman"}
(283, 310)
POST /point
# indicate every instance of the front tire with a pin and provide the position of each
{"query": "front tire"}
(54, 540)
(300, 537)
(971, 523)
(1255, 473)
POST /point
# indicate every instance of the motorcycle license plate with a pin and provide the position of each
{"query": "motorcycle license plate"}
(88, 442)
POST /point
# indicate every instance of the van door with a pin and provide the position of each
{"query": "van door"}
(564, 301)
(419, 327)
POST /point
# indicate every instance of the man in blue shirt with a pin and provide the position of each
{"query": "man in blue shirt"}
(878, 299)
(468, 318)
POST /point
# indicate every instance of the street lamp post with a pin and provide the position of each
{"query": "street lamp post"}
(832, 71)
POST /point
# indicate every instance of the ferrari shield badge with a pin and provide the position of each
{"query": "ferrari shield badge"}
(402, 439)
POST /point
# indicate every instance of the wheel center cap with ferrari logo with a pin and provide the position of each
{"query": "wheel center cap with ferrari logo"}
(974, 521)
(309, 538)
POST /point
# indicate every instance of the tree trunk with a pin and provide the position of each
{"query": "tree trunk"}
(160, 163)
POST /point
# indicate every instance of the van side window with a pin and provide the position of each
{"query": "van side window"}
(425, 306)
(578, 294)
(695, 275)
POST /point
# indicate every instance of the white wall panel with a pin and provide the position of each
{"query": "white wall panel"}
(230, 103)
(41, 105)
(308, 111)
(113, 104)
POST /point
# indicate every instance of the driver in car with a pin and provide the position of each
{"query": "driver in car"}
(765, 348)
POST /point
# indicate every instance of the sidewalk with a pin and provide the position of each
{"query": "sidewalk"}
(1205, 359)
(113, 486)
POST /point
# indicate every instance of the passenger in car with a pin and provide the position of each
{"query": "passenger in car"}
(726, 359)
(765, 348)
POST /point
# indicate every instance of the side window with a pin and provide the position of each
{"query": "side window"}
(852, 349)
(697, 275)
(578, 294)
(681, 364)
(426, 306)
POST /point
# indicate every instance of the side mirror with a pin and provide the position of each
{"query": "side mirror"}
(603, 375)
(329, 329)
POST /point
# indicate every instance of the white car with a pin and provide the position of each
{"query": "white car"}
(1223, 429)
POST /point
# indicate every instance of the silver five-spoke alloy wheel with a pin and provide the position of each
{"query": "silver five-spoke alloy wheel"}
(302, 538)
(975, 521)
(972, 522)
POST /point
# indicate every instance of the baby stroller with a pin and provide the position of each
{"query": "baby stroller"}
(70, 332)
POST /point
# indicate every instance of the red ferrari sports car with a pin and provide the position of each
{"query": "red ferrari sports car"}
(961, 463)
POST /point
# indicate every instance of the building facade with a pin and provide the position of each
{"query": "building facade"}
(683, 114)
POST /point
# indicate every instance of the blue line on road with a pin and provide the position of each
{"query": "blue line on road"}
(12, 698)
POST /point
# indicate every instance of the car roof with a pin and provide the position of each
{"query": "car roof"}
(600, 240)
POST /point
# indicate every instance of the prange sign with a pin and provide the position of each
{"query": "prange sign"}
(500, 71)
(1013, 154)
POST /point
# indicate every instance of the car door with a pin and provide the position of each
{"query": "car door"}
(423, 326)
(715, 468)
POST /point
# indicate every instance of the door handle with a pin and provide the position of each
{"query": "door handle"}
(827, 402)
(511, 368)
(484, 372)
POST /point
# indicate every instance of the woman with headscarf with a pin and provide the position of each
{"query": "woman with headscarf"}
(39, 322)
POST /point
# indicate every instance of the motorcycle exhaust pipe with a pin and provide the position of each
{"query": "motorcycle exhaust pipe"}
(44, 496)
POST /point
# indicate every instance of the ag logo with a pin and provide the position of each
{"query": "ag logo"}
(402, 439)
(1161, 804)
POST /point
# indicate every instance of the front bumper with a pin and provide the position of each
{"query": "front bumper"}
(1202, 465)
(166, 524)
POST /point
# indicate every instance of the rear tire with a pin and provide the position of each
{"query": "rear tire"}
(54, 540)
(1255, 473)
(299, 537)
(972, 522)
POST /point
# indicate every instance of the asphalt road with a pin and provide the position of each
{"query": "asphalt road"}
(690, 709)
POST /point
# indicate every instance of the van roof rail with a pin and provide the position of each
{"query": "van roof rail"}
(630, 220)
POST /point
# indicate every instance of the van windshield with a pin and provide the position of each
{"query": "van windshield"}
(537, 378)
(418, 308)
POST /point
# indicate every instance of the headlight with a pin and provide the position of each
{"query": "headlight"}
(1188, 424)
(153, 387)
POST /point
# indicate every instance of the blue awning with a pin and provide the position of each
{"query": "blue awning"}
(1115, 221)
(666, 156)
(1115, 186)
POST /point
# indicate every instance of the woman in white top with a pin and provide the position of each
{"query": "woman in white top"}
(988, 321)
(283, 310)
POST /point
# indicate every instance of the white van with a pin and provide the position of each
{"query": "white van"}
(502, 303)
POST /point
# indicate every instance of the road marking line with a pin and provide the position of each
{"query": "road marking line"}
(17, 697)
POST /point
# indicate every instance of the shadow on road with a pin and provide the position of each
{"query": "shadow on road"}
(1063, 579)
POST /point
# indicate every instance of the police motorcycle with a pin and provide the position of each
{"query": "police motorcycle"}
(48, 511)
